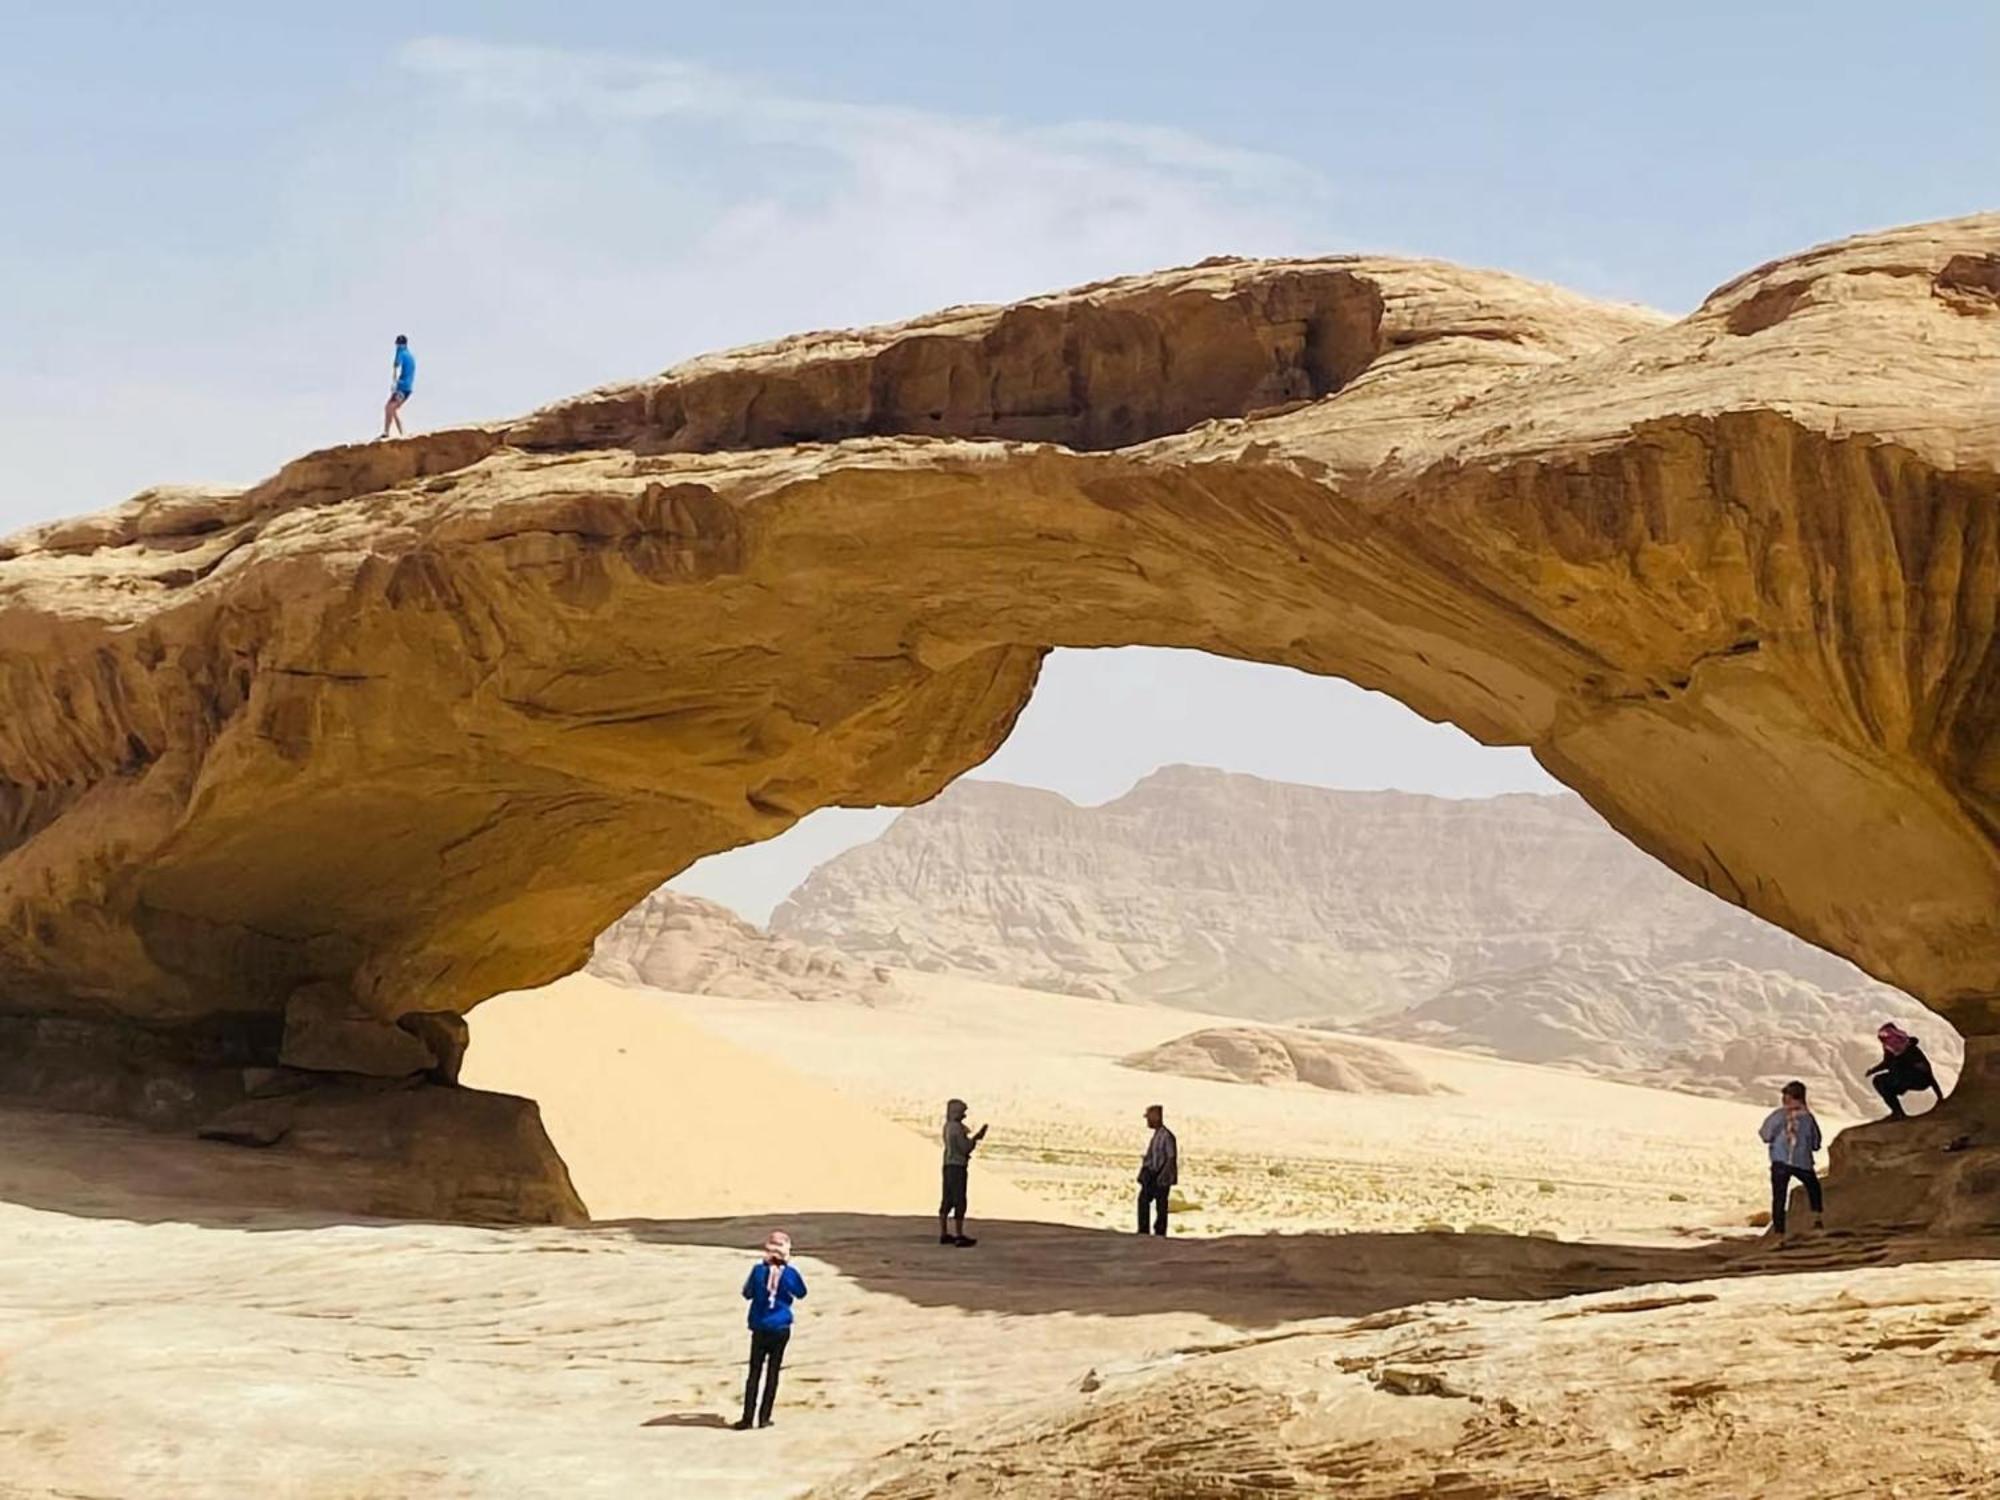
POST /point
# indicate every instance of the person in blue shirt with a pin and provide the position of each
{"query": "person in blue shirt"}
(405, 382)
(773, 1285)
(1791, 1135)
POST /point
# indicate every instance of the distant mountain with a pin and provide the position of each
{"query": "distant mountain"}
(672, 941)
(1519, 925)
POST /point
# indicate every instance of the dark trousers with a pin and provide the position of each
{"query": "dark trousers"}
(952, 1199)
(767, 1358)
(1781, 1189)
(1892, 1085)
(1151, 1194)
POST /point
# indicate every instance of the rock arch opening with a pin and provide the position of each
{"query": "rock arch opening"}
(1238, 926)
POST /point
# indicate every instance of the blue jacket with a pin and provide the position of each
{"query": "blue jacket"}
(765, 1313)
(1797, 1152)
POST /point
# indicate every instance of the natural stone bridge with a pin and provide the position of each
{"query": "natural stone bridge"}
(408, 724)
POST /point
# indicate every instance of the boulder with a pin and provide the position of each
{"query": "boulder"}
(445, 1035)
(326, 1032)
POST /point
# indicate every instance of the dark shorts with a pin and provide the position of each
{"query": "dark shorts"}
(953, 1201)
(401, 394)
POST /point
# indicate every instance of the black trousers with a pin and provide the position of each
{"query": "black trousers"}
(767, 1358)
(952, 1200)
(1892, 1085)
(1151, 1194)
(1781, 1189)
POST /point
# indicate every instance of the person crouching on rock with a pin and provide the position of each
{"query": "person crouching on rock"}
(1903, 1069)
(1793, 1136)
(959, 1144)
(1159, 1170)
(773, 1285)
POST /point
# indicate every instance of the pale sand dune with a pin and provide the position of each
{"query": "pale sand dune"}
(1522, 1147)
(659, 1116)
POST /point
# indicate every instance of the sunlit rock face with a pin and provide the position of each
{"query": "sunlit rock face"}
(421, 719)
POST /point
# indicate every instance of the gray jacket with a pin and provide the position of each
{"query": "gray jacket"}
(1161, 1164)
(958, 1143)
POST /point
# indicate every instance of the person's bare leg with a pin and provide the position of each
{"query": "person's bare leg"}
(396, 414)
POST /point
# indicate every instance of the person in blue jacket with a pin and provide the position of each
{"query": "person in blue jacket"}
(1792, 1136)
(773, 1285)
(403, 384)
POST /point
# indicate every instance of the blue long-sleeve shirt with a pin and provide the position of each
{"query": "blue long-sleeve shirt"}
(767, 1312)
(1793, 1149)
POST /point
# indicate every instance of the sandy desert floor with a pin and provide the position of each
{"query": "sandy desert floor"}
(153, 1348)
(1508, 1146)
(271, 1358)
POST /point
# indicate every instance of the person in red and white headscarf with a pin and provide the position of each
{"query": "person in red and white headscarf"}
(1903, 1069)
(773, 1285)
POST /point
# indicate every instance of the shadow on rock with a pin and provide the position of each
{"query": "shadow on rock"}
(1257, 1281)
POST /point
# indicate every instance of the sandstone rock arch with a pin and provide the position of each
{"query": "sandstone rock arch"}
(407, 725)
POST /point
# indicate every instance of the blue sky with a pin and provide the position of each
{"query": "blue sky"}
(217, 215)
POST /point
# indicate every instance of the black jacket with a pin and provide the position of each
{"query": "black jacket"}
(1908, 1066)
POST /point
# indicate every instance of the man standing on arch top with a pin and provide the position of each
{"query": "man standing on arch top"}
(403, 383)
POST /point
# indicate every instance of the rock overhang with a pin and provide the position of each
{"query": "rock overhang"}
(421, 718)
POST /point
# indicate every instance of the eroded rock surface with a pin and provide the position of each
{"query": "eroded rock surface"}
(1266, 1056)
(421, 719)
(674, 941)
(1520, 926)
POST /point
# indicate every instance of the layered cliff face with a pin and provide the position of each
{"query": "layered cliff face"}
(1522, 926)
(1712, 1027)
(1266, 899)
(412, 723)
(673, 941)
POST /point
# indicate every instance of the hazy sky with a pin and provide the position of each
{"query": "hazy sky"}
(219, 214)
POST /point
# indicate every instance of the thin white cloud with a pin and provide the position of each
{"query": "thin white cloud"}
(540, 221)
(877, 210)
(618, 88)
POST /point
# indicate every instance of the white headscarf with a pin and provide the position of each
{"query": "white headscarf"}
(778, 1252)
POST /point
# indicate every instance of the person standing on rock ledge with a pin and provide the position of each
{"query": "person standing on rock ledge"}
(959, 1144)
(1159, 1170)
(402, 384)
(774, 1284)
(1793, 1136)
